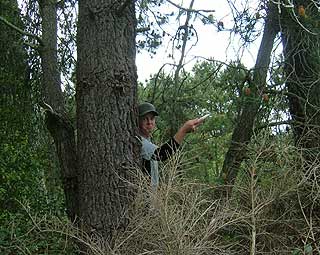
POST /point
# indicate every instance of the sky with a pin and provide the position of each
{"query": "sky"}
(211, 44)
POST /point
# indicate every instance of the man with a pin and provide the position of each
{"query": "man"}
(151, 153)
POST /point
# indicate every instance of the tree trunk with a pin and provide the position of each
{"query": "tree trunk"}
(51, 82)
(106, 95)
(244, 128)
(302, 65)
(56, 120)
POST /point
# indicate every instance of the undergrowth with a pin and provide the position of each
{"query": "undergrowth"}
(272, 210)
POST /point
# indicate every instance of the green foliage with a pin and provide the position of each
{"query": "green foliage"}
(24, 157)
(22, 167)
(12, 57)
(150, 19)
(26, 233)
(247, 21)
(207, 89)
(25, 162)
(16, 164)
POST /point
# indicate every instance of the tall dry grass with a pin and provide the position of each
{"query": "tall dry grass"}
(274, 209)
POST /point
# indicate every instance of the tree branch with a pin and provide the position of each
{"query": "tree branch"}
(142, 29)
(188, 9)
(9, 24)
(276, 123)
(123, 6)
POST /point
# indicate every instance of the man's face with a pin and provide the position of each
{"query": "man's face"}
(147, 124)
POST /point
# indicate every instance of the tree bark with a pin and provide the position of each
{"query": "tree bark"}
(57, 122)
(245, 124)
(302, 64)
(51, 82)
(106, 95)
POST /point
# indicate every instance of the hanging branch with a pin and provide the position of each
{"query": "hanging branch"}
(9, 24)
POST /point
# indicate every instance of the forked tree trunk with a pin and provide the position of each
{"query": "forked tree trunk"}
(106, 95)
(56, 120)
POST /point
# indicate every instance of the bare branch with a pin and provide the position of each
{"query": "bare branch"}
(188, 9)
(9, 24)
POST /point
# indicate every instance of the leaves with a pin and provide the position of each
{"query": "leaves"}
(207, 89)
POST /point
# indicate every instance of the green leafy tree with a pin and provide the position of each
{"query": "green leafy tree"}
(208, 88)
(21, 158)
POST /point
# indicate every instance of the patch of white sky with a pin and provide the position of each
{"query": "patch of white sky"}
(212, 44)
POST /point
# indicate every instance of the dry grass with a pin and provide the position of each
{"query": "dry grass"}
(273, 210)
(177, 218)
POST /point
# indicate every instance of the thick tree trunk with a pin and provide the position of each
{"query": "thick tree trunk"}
(245, 124)
(56, 120)
(302, 65)
(106, 112)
